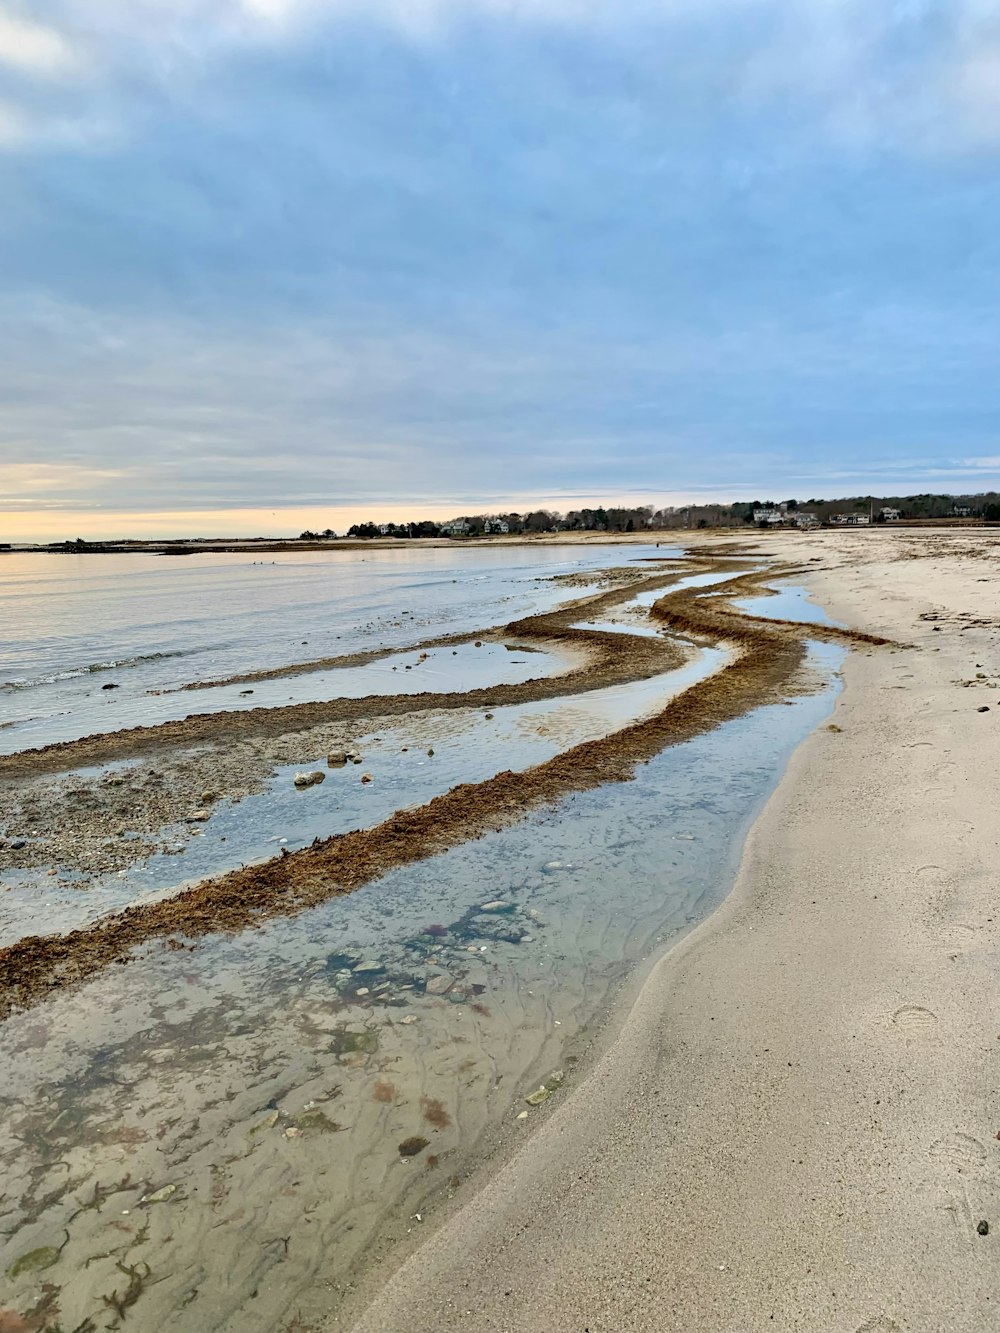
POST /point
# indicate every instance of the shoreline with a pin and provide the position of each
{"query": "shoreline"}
(767, 654)
(793, 1126)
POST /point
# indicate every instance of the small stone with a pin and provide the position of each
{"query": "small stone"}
(366, 778)
(498, 905)
(540, 1095)
(367, 967)
(158, 1196)
(16, 844)
(362, 990)
(293, 1133)
(198, 817)
(110, 686)
(208, 797)
(983, 708)
(430, 754)
(269, 1122)
(310, 779)
(489, 717)
(521, 1115)
(479, 643)
(242, 692)
(336, 759)
(983, 1227)
(410, 1018)
(440, 985)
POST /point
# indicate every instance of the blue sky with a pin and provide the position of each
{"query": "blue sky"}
(295, 254)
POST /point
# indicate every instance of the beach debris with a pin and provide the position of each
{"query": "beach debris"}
(160, 1195)
(552, 867)
(293, 1132)
(983, 708)
(198, 817)
(242, 692)
(310, 779)
(413, 1145)
(430, 754)
(552, 1084)
(110, 686)
(410, 1018)
(983, 1227)
(366, 778)
(336, 759)
(34, 1261)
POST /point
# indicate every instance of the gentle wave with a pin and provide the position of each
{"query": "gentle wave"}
(93, 668)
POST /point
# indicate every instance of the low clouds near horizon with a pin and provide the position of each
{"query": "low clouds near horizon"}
(274, 253)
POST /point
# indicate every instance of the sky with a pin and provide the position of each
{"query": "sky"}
(269, 264)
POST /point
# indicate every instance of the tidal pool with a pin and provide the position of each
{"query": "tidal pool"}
(215, 1138)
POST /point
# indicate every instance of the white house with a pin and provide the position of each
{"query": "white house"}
(496, 525)
(891, 515)
(771, 516)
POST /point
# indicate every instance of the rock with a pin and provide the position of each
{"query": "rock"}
(983, 1227)
(540, 1095)
(17, 843)
(521, 1115)
(368, 967)
(242, 692)
(336, 759)
(208, 797)
(362, 990)
(430, 754)
(160, 1195)
(309, 779)
(366, 778)
(357, 759)
(410, 1018)
(983, 708)
(110, 686)
(293, 1133)
(555, 1080)
(410, 1147)
(440, 984)
(198, 817)
(34, 1261)
(479, 643)
(498, 905)
(489, 717)
(269, 1122)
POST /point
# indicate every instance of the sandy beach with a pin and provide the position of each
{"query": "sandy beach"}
(797, 1125)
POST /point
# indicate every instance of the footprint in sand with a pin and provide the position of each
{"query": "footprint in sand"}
(959, 1152)
(914, 1020)
(880, 1324)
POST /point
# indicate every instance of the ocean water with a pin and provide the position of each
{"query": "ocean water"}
(148, 624)
(221, 1137)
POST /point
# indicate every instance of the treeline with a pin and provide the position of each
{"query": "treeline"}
(644, 518)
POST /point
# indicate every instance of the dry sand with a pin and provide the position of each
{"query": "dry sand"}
(797, 1126)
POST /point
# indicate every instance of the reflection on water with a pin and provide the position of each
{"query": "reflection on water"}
(209, 1139)
(403, 770)
(76, 623)
(786, 603)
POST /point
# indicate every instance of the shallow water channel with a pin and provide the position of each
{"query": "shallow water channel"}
(215, 1138)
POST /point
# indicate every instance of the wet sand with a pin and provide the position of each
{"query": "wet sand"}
(767, 655)
(797, 1125)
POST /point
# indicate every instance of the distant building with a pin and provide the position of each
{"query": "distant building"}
(770, 516)
(496, 525)
(890, 515)
(962, 511)
(850, 520)
(384, 529)
(458, 527)
(802, 520)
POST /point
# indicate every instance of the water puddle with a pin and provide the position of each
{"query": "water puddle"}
(211, 1139)
(787, 602)
(386, 775)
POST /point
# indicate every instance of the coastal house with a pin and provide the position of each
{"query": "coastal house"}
(804, 520)
(962, 511)
(458, 527)
(769, 516)
(496, 525)
(890, 515)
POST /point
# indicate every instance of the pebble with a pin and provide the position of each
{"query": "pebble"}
(983, 1228)
(198, 817)
(17, 843)
(366, 778)
(440, 985)
(310, 779)
(336, 759)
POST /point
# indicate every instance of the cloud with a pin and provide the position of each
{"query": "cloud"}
(34, 48)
